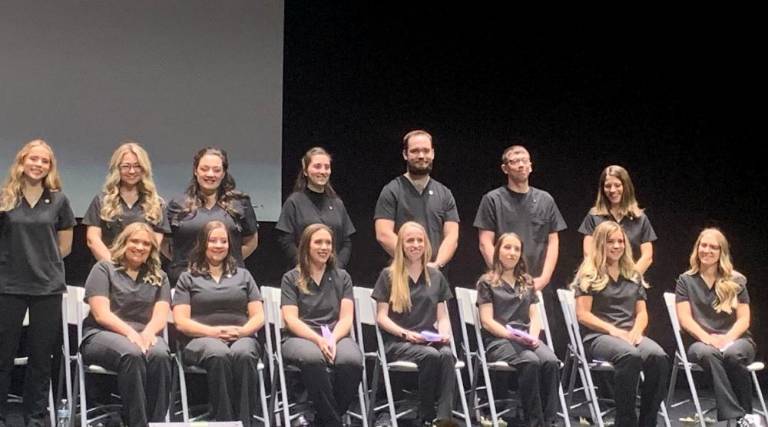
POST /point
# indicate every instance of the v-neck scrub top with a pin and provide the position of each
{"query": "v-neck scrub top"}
(399, 201)
(303, 208)
(615, 304)
(30, 262)
(111, 229)
(185, 228)
(702, 298)
(322, 305)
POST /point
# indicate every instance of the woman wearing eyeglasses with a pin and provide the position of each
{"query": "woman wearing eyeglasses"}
(129, 195)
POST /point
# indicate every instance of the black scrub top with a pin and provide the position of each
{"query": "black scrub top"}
(694, 289)
(322, 305)
(424, 301)
(614, 304)
(638, 229)
(303, 208)
(533, 216)
(511, 304)
(133, 301)
(400, 202)
(30, 262)
(111, 229)
(186, 227)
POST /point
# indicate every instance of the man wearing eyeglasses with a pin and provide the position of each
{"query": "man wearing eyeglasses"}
(529, 212)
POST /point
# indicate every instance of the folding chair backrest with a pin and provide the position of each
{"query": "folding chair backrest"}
(669, 301)
(542, 312)
(364, 306)
(466, 300)
(76, 309)
(568, 304)
(272, 305)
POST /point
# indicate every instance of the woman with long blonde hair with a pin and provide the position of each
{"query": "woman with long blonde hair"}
(611, 308)
(36, 224)
(129, 195)
(411, 299)
(713, 307)
(130, 298)
(616, 201)
(317, 305)
(506, 298)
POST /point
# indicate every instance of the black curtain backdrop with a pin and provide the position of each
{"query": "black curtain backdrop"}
(678, 105)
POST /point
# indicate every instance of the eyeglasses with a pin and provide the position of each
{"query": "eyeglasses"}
(127, 168)
(522, 161)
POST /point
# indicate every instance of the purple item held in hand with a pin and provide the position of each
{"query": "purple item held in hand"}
(431, 336)
(520, 334)
(327, 335)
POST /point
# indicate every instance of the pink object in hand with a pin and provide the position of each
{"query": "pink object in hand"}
(327, 335)
(520, 334)
(431, 336)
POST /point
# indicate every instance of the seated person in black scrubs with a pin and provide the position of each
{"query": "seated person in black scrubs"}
(317, 295)
(507, 298)
(412, 298)
(218, 309)
(713, 307)
(130, 297)
(610, 305)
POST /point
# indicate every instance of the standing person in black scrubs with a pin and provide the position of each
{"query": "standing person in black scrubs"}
(411, 297)
(129, 195)
(35, 235)
(217, 307)
(616, 202)
(130, 298)
(527, 211)
(713, 306)
(610, 305)
(505, 296)
(415, 196)
(315, 201)
(316, 294)
(211, 195)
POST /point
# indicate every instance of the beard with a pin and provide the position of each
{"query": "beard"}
(416, 170)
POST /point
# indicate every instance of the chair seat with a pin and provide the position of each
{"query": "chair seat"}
(96, 369)
(756, 366)
(20, 361)
(501, 366)
(194, 369)
(406, 366)
(601, 365)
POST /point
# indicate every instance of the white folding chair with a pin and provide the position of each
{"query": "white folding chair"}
(367, 316)
(22, 361)
(280, 401)
(681, 361)
(184, 369)
(584, 366)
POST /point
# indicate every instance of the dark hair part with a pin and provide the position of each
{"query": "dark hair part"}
(198, 262)
(413, 133)
(306, 160)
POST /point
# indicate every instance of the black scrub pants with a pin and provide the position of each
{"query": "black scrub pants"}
(332, 390)
(628, 361)
(233, 390)
(538, 377)
(437, 376)
(44, 332)
(143, 380)
(730, 377)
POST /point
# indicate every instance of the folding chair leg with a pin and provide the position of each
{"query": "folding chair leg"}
(463, 397)
(263, 396)
(51, 405)
(183, 391)
(363, 410)
(374, 392)
(489, 395)
(390, 398)
(694, 395)
(664, 413)
(759, 394)
(83, 397)
(591, 394)
(564, 406)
